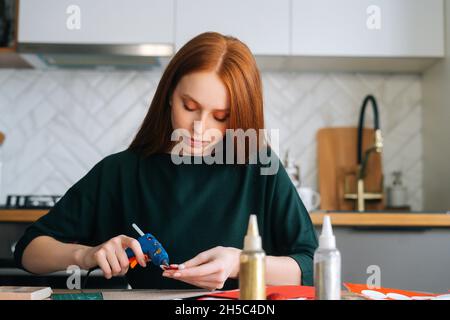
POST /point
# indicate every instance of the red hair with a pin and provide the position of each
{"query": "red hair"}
(235, 65)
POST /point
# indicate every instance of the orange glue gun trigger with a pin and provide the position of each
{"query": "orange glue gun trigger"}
(133, 261)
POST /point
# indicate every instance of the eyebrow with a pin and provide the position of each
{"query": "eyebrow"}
(185, 95)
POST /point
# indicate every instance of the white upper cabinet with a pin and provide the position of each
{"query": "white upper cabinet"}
(96, 21)
(264, 25)
(364, 28)
(284, 34)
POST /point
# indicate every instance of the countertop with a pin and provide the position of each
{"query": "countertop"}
(383, 219)
(355, 219)
(21, 215)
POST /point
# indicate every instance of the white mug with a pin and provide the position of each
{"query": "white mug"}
(310, 198)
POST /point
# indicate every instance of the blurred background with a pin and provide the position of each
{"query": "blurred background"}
(358, 90)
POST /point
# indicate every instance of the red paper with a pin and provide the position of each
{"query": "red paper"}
(289, 292)
(357, 288)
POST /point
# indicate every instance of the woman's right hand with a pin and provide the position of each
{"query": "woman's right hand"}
(110, 256)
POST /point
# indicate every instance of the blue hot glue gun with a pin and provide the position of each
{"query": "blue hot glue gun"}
(151, 248)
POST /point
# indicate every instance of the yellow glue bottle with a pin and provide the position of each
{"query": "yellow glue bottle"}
(252, 265)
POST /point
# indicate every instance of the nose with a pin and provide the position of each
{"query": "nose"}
(199, 124)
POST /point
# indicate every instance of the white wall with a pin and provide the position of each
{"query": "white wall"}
(436, 130)
(58, 124)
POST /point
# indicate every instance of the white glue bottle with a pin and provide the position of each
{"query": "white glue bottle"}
(327, 265)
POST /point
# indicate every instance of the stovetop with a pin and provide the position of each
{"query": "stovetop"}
(31, 201)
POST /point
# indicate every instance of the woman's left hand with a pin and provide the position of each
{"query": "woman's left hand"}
(209, 269)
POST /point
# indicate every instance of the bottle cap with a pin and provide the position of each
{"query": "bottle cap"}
(252, 241)
(327, 240)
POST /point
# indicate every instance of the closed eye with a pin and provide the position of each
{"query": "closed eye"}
(187, 108)
(221, 116)
(221, 119)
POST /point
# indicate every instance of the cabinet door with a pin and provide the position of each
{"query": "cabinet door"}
(99, 21)
(264, 25)
(392, 28)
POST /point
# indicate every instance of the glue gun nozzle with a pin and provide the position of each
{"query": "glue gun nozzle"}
(164, 265)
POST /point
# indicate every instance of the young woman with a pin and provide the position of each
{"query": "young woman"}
(199, 212)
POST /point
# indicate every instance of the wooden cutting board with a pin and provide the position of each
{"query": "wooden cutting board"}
(337, 156)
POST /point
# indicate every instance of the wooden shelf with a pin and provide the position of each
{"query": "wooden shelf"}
(384, 219)
(7, 50)
(20, 215)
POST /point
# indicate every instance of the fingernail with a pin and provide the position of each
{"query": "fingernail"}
(177, 274)
(181, 266)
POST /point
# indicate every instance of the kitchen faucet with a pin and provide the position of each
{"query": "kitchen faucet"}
(362, 159)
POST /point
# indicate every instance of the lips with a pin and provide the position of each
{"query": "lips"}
(198, 143)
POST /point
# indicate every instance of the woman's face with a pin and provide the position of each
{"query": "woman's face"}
(199, 106)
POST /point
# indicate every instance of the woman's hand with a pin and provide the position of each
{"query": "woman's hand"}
(209, 269)
(111, 256)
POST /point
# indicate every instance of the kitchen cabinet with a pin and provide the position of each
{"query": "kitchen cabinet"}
(405, 258)
(368, 28)
(324, 35)
(294, 35)
(264, 25)
(96, 22)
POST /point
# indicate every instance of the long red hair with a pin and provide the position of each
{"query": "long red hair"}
(235, 65)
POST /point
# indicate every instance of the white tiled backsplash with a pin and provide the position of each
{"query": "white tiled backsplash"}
(59, 123)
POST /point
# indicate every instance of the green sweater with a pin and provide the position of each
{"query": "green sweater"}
(188, 208)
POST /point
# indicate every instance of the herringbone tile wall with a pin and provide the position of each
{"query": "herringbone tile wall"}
(59, 123)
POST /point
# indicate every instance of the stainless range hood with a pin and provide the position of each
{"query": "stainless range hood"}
(56, 55)
(90, 34)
